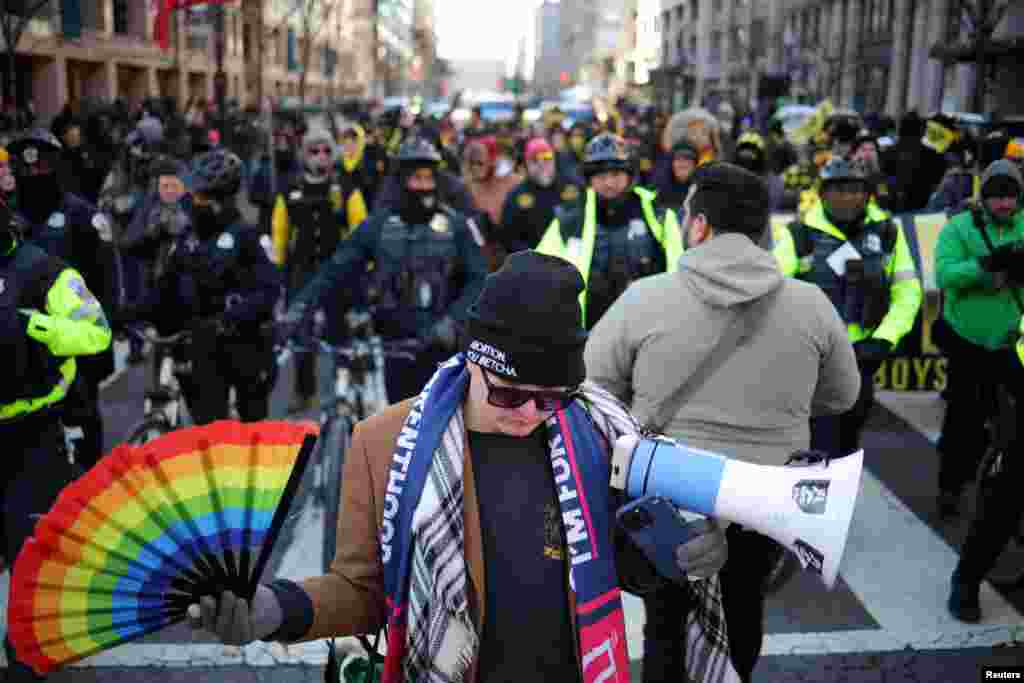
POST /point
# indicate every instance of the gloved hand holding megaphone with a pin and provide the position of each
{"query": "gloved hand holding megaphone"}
(806, 509)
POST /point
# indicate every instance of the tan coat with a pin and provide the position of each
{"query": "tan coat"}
(349, 600)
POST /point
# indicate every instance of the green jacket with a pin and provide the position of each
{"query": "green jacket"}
(973, 307)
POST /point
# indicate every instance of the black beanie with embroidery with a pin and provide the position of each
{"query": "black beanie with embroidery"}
(527, 325)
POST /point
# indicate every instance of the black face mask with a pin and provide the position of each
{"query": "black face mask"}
(418, 206)
(284, 158)
(39, 196)
(206, 219)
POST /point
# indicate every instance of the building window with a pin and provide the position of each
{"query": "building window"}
(757, 38)
(120, 16)
(691, 54)
(715, 54)
(694, 10)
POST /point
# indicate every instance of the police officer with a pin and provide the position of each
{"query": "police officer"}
(427, 268)
(530, 206)
(221, 285)
(616, 234)
(48, 317)
(309, 221)
(67, 227)
(859, 256)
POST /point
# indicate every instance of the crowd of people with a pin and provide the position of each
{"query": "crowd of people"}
(559, 281)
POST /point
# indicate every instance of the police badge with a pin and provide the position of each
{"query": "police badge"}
(439, 223)
(525, 200)
(570, 193)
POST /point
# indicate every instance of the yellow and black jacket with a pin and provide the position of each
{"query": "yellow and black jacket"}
(885, 302)
(607, 259)
(62, 320)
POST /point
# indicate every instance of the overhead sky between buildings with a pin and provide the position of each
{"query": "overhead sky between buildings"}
(486, 29)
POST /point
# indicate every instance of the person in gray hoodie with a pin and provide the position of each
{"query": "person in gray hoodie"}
(751, 400)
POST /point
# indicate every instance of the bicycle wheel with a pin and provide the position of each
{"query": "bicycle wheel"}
(335, 444)
(149, 429)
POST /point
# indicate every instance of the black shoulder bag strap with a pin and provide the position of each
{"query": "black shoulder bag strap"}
(743, 324)
(979, 223)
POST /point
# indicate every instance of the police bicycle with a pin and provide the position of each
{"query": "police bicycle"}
(359, 391)
(165, 401)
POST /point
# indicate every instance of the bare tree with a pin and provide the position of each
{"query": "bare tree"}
(981, 18)
(15, 16)
(314, 17)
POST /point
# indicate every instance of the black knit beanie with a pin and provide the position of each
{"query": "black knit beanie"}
(527, 325)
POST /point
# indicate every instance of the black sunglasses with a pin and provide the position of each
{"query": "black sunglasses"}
(511, 397)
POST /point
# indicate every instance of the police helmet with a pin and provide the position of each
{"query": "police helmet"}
(217, 173)
(842, 171)
(32, 147)
(418, 151)
(606, 152)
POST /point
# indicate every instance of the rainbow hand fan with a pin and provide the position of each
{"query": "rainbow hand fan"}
(148, 530)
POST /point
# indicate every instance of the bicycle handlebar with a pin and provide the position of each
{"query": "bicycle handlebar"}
(157, 340)
(402, 348)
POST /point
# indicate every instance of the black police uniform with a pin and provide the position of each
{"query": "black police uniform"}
(223, 287)
(77, 233)
(421, 274)
(529, 209)
(32, 402)
(625, 249)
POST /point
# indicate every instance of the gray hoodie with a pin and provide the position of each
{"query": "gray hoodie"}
(796, 361)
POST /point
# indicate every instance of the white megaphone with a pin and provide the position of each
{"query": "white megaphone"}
(807, 509)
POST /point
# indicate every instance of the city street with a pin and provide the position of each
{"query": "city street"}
(884, 621)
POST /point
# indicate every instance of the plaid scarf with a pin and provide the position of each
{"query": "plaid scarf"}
(431, 634)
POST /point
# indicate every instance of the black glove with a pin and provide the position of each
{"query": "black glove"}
(13, 326)
(286, 327)
(872, 351)
(121, 317)
(1002, 259)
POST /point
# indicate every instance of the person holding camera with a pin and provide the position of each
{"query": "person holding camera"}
(979, 264)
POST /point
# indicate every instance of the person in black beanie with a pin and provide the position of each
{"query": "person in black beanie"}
(498, 523)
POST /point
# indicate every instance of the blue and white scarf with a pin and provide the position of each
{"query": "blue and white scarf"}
(431, 634)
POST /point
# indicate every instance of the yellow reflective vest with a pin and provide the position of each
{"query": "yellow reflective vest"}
(580, 252)
(905, 290)
(72, 323)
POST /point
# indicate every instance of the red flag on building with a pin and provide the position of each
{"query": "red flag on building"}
(162, 28)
